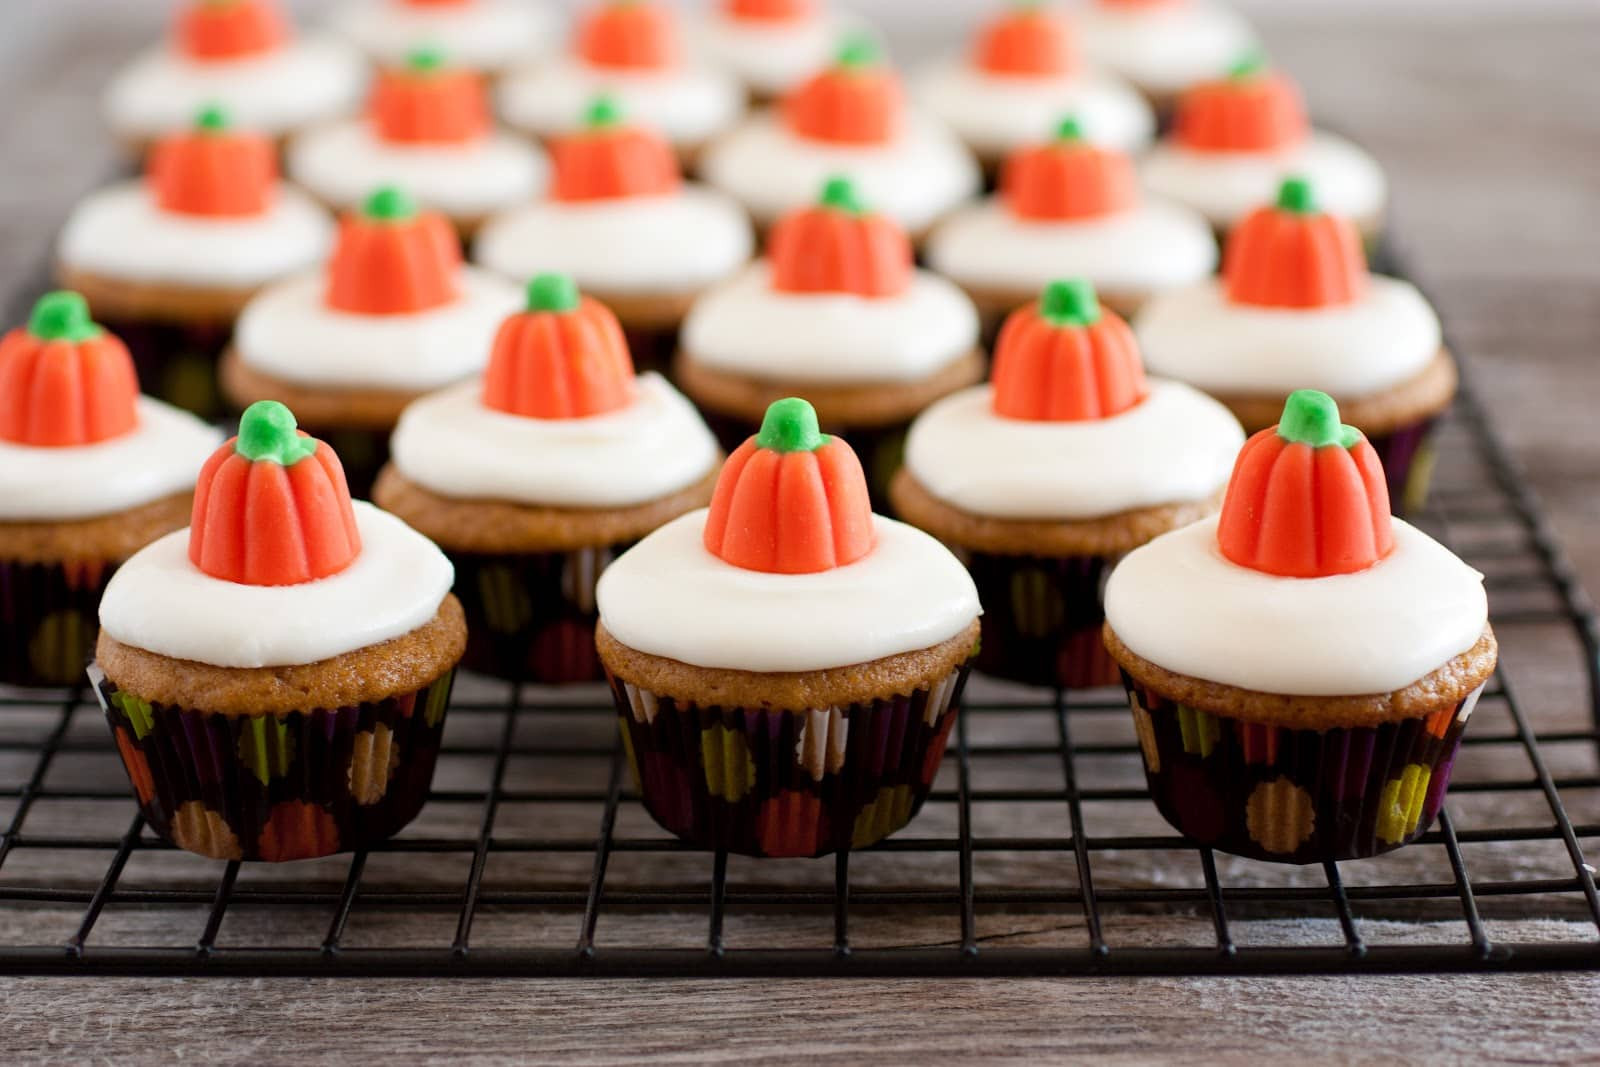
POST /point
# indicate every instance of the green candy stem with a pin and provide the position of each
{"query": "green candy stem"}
(1297, 195)
(1312, 418)
(603, 113)
(1249, 65)
(267, 433)
(1071, 302)
(858, 51)
(390, 204)
(1069, 130)
(213, 118)
(62, 316)
(840, 193)
(790, 426)
(552, 292)
(429, 59)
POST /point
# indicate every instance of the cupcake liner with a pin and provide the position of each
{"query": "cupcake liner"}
(881, 449)
(177, 362)
(361, 452)
(49, 616)
(763, 782)
(1296, 796)
(1408, 456)
(1042, 618)
(278, 786)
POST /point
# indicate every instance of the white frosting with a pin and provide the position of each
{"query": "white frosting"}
(343, 163)
(994, 113)
(288, 332)
(451, 444)
(649, 244)
(162, 456)
(770, 56)
(688, 104)
(747, 327)
(920, 175)
(485, 34)
(1177, 446)
(1225, 186)
(309, 80)
(668, 596)
(121, 232)
(1194, 334)
(1180, 604)
(1157, 245)
(1165, 48)
(161, 602)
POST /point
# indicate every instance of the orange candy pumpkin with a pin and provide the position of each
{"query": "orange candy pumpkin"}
(839, 246)
(1293, 255)
(609, 159)
(637, 34)
(1068, 178)
(770, 10)
(214, 170)
(429, 102)
(271, 506)
(392, 259)
(1065, 358)
(790, 500)
(230, 29)
(1253, 109)
(563, 358)
(63, 380)
(1308, 497)
(1029, 41)
(858, 100)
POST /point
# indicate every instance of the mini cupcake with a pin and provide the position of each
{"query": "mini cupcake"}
(1041, 481)
(428, 130)
(837, 312)
(1301, 669)
(394, 315)
(1023, 73)
(1164, 46)
(170, 261)
(787, 666)
(90, 472)
(243, 55)
(483, 35)
(1067, 208)
(849, 119)
(1236, 138)
(1296, 304)
(276, 675)
(535, 477)
(771, 45)
(629, 49)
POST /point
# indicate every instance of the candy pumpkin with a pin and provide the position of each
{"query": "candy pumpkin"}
(838, 246)
(271, 506)
(790, 500)
(563, 358)
(1028, 41)
(770, 10)
(63, 380)
(429, 102)
(1253, 109)
(858, 100)
(392, 259)
(213, 170)
(1068, 178)
(1294, 255)
(1308, 497)
(1065, 358)
(609, 159)
(439, 3)
(636, 34)
(230, 29)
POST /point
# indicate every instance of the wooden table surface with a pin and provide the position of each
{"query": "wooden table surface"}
(1491, 132)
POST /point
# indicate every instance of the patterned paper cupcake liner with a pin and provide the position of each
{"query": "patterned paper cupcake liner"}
(1408, 456)
(881, 449)
(49, 616)
(1042, 618)
(764, 782)
(177, 362)
(278, 787)
(1296, 796)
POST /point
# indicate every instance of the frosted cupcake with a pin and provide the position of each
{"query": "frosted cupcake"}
(1300, 669)
(243, 55)
(1164, 46)
(1042, 480)
(90, 472)
(629, 49)
(849, 119)
(483, 35)
(535, 477)
(428, 130)
(1296, 304)
(1236, 138)
(276, 675)
(837, 312)
(1067, 208)
(771, 45)
(393, 316)
(1023, 73)
(787, 665)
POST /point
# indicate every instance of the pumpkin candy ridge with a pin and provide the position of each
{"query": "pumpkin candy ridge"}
(213, 170)
(637, 34)
(1293, 255)
(1066, 358)
(858, 100)
(564, 357)
(64, 381)
(392, 259)
(212, 30)
(1253, 109)
(429, 102)
(839, 246)
(1068, 178)
(609, 159)
(1029, 41)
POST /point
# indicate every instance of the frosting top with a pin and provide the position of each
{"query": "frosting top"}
(769, 55)
(688, 104)
(485, 34)
(1165, 47)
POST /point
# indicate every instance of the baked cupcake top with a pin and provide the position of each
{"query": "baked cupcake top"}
(394, 308)
(1304, 585)
(1296, 305)
(771, 45)
(837, 299)
(850, 118)
(788, 570)
(558, 419)
(244, 55)
(1023, 70)
(1070, 428)
(77, 441)
(1164, 46)
(210, 213)
(428, 129)
(279, 567)
(486, 35)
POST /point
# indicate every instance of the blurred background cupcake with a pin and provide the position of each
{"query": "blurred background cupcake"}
(1164, 46)
(483, 35)
(771, 45)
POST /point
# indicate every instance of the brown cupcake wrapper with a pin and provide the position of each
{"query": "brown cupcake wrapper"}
(49, 616)
(1042, 618)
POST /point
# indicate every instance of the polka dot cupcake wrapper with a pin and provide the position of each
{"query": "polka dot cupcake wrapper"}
(1042, 618)
(278, 787)
(781, 783)
(49, 615)
(1296, 796)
